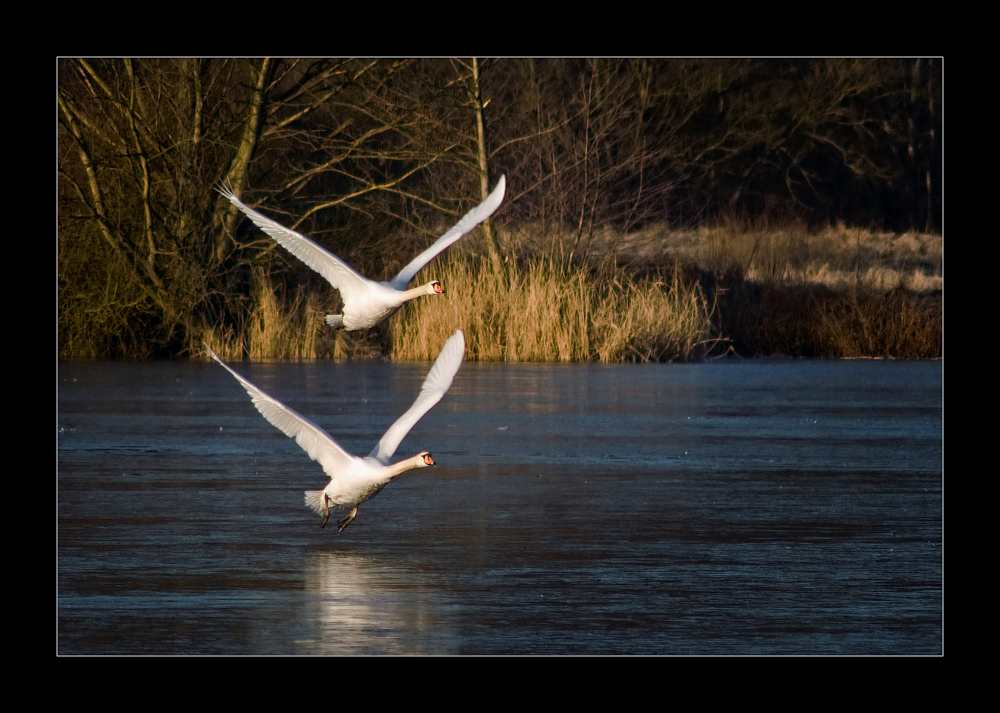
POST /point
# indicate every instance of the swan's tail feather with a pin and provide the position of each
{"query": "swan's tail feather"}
(335, 320)
(314, 500)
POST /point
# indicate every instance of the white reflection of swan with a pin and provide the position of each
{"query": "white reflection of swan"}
(366, 302)
(363, 604)
(354, 480)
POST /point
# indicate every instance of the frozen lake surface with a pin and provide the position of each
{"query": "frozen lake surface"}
(738, 507)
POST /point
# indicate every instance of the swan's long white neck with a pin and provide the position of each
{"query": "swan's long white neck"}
(402, 466)
(413, 293)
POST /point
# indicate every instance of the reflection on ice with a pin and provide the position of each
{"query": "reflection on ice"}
(364, 604)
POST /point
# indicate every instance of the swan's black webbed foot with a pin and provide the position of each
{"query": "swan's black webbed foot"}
(342, 525)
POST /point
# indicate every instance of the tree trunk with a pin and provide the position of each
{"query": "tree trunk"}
(256, 115)
(484, 173)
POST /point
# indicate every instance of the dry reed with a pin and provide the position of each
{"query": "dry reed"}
(277, 328)
(538, 312)
(768, 293)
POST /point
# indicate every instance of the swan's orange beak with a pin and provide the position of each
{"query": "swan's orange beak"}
(428, 460)
(437, 287)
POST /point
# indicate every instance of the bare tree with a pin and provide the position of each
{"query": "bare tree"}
(142, 143)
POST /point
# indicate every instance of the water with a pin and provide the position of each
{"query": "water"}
(757, 507)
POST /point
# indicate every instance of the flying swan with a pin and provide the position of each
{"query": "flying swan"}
(366, 302)
(354, 480)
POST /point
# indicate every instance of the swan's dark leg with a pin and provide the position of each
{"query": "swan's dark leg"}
(342, 525)
(326, 510)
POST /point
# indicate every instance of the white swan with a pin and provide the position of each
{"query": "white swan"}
(354, 480)
(366, 302)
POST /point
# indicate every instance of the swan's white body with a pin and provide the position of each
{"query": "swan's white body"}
(354, 480)
(366, 302)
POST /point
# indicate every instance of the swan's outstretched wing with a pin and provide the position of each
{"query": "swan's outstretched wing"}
(313, 439)
(339, 274)
(435, 386)
(471, 219)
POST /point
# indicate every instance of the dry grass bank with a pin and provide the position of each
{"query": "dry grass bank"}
(837, 257)
(536, 311)
(736, 289)
(787, 290)
(836, 293)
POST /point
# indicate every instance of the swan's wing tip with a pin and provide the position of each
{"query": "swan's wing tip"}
(469, 221)
(457, 338)
(447, 363)
(210, 352)
(494, 199)
(226, 189)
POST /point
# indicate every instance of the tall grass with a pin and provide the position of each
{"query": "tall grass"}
(278, 326)
(648, 320)
(536, 311)
(766, 292)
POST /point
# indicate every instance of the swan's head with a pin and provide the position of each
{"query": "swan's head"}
(436, 288)
(425, 459)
